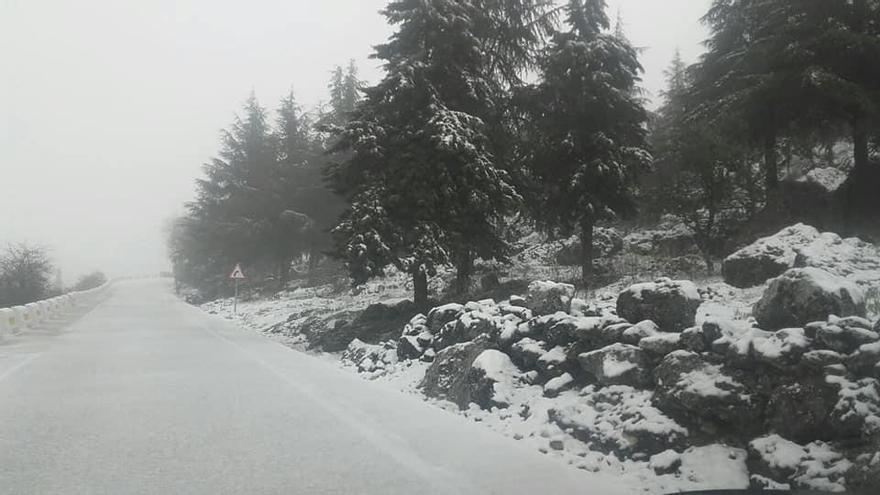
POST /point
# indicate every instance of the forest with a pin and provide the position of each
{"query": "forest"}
(499, 118)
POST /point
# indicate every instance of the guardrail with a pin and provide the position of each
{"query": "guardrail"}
(19, 318)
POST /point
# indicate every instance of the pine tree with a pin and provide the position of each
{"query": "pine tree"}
(833, 45)
(698, 171)
(423, 177)
(240, 208)
(587, 133)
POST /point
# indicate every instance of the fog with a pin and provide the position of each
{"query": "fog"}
(109, 108)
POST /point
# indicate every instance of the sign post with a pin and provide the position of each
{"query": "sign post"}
(236, 275)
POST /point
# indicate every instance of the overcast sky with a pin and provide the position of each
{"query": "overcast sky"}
(108, 108)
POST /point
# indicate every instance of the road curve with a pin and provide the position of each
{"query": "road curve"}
(147, 395)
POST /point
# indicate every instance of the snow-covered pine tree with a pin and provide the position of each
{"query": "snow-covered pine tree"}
(832, 48)
(424, 178)
(587, 127)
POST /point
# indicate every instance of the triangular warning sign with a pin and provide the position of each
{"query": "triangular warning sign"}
(237, 273)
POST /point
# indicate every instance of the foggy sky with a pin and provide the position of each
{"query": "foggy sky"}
(109, 108)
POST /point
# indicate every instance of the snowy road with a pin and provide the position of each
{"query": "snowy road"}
(145, 394)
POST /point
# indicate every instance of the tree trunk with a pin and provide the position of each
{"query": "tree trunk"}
(464, 269)
(283, 272)
(587, 246)
(860, 146)
(420, 288)
(771, 167)
(314, 257)
(710, 264)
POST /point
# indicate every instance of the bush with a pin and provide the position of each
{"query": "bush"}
(90, 281)
(24, 274)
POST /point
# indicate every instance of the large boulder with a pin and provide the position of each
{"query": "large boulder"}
(804, 295)
(441, 315)
(843, 335)
(377, 323)
(415, 339)
(800, 410)
(801, 246)
(815, 466)
(547, 298)
(489, 381)
(671, 304)
(768, 257)
(527, 351)
(671, 238)
(707, 395)
(620, 420)
(856, 416)
(449, 375)
(617, 364)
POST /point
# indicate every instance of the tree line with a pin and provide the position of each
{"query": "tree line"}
(495, 109)
(27, 274)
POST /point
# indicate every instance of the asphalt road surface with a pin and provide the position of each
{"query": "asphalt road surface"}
(144, 394)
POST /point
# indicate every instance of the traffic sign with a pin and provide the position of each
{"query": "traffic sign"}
(237, 273)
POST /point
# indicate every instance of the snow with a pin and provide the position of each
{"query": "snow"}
(588, 428)
(858, 399)
(496, 365)
(553, 356)
(781, 246)
(717, 467)
(833, 284)
(665, 460)
(557, 384)
(531, 346)
(814, 466)
(778, 452)
(620, 414)
(780, 343)
(706, 382)
(613, 368)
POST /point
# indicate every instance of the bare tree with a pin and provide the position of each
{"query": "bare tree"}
(25, 272)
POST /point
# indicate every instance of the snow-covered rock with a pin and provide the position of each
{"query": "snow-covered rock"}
(804, 295)
(802, 246)
(828, 178)
(447, 377)
(856, 416)
(618, 419)
(641, 330)
(368, 358)
(843, 335)
(815, 466)
(617, 364)
(606, 242)
(375, 323)
(661, 344)
(705, 394)
(671, 238)
(441, 315)
(557, 385)
(865, 361)
(491, 379)
(551, 364)
(800, 409)
(527, 351)
(671, 304)
(546, 297)
(768, 257)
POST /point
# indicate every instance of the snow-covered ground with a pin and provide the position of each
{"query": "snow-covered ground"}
(527, 417)
(605, 428)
